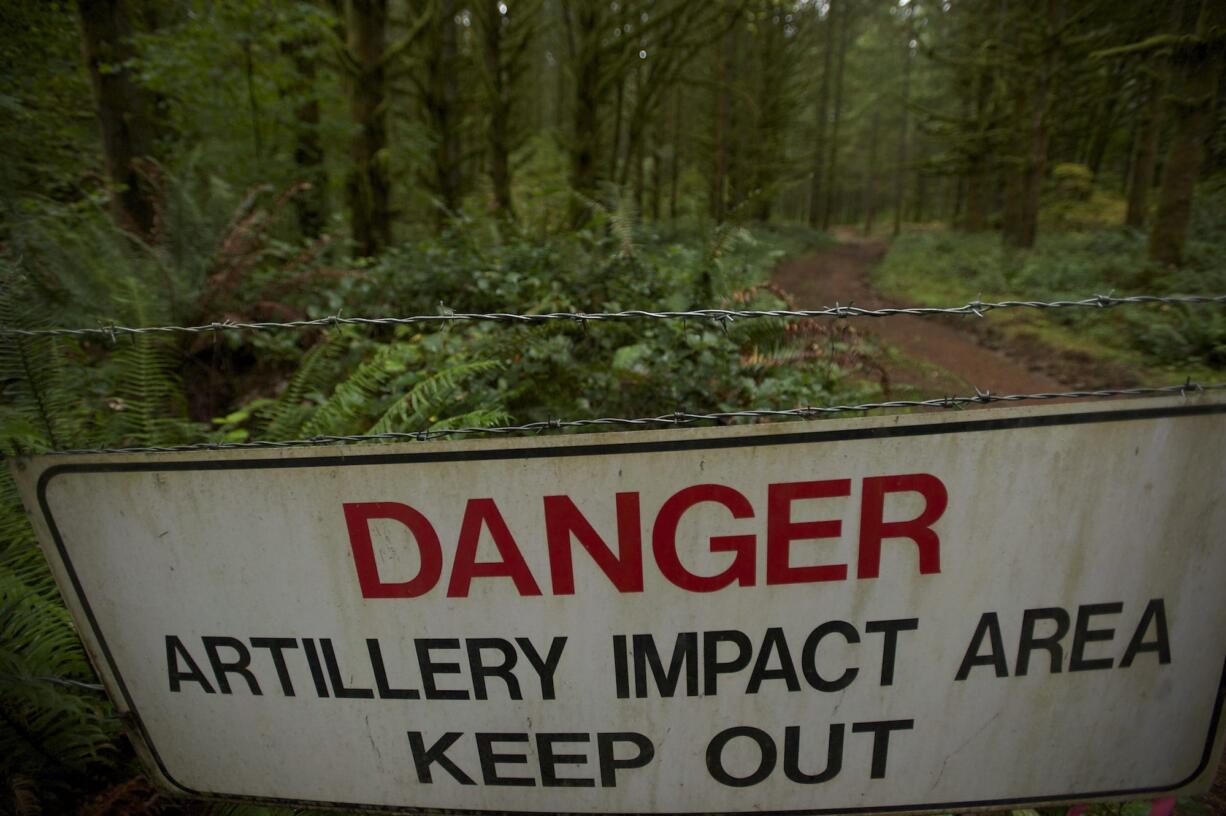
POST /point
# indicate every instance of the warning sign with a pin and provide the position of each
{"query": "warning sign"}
(988, 608)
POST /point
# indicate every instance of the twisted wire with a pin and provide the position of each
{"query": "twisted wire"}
(976, 308)
(677, 418)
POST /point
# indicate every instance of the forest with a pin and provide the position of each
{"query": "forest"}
(186, 163)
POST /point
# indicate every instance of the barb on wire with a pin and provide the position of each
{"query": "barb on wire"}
(721, 317)
(672, 419)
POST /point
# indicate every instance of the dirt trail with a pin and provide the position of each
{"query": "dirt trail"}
(840, 274)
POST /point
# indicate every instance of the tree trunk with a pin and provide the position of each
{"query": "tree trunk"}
(900, 171)
(1148, 132)
(1104, 120)
(310, 205)
(637, 181)
(121, 114)
(1102, 135)
(832, 162)
(368, 186)
(1145, 154)
(738, 122)
(656, 182)
(823, 112)
(582, 20)
(1198, 66)
(499, 135)
(978, 197)
(974, 194)
(1031, 105)
(619, 101)
(452, 164)
(723, 131)
(442, 114)
(674, 165)
(870, 204)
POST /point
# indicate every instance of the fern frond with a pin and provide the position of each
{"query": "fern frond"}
(479, 418)
(623, 223)
(149, 405)
(420, 408)
(349, 405)
(41, 403)
(286, 416)
(20, 556)
(38, 640)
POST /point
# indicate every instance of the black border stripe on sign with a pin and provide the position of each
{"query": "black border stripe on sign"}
(365, 458)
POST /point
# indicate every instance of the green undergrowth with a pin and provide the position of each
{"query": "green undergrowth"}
(61, 747)
(1158, 343)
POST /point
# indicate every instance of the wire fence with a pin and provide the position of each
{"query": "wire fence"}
(722, 317)
(676, 418)
(974, 308)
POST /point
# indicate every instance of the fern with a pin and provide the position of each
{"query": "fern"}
(420, 408)
(344, 411)
(286, 416)
(478, 418)
(20, 557)
(46, 728)
(39, 403)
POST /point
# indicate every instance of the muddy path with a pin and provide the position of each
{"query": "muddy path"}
(956, 359)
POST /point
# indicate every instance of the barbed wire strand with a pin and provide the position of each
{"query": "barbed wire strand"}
(980, 397)
(974, 308)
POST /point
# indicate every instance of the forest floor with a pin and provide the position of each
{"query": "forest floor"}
(936, 356)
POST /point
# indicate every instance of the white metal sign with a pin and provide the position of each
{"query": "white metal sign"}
(898, 613)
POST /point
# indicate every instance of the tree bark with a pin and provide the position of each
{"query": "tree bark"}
(636, 149)
(1145, 154)
(836, 117)
(310, 206)
(441, 109)
(974, 190)
(900, 171)
(738, 122)
(619, 101)
(368, 186)
(823, 112)
(1198, 66)
(674, 165)
(583, 22)
(723, 130)
(870, 203)
(1102, 134)
(1031, 105)
(978, 197)
(1147, 133)
(657, 177)
(120, 108)
(499, 133)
